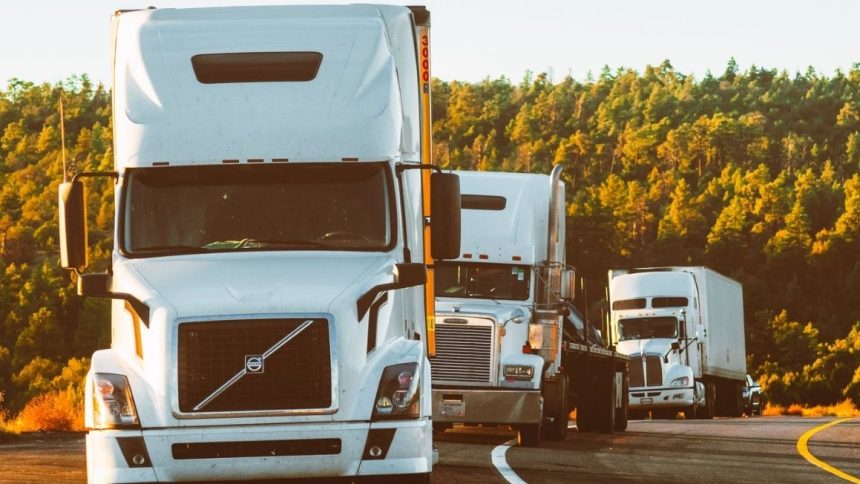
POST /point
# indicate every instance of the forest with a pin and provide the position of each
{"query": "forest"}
(753, 173)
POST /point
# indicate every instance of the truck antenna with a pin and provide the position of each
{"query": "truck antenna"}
(63, 137)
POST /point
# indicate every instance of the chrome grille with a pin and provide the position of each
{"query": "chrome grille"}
(653, 371)
(464, 354)
(636, 373)
(295, 375)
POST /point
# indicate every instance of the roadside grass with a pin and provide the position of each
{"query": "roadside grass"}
(57, 411)
(844, 408)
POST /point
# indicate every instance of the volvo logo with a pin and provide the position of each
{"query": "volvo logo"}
(254, 363)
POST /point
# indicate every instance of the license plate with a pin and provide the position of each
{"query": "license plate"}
(646, 401)
(453, 408)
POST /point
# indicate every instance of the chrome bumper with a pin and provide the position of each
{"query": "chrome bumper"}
(657, 398)
(489, 406)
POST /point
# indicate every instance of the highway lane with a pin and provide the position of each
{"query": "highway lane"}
(723, 450)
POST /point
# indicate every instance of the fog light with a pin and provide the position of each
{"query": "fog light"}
(375, 451)
(138, 460)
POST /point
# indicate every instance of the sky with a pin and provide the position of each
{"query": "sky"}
(49, 40)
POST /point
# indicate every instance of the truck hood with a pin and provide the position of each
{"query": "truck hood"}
(501, 312)
(257, 283)
(645, 346)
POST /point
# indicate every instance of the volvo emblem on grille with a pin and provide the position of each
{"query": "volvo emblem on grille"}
(254, 363)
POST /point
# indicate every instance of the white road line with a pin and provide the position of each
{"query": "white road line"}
(501, 464)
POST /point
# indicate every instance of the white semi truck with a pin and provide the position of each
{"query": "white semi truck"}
(683, 328)
(511, 348)
(270, 317)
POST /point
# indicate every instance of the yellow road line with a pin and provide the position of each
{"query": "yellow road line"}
(804, 451)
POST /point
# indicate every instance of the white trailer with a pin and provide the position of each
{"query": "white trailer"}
(683, 328)
(272, 243)
(508, 352)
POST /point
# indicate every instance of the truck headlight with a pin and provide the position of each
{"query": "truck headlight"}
(113, 404)
(519, 372)
(397, 397)
(680, 382)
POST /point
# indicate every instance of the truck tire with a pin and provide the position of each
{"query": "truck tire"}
(556, 409)
(621, 413)
(605, 403)
(528, 435)
(637, 414)
(584, 419)
(706, 412)
(738, 406)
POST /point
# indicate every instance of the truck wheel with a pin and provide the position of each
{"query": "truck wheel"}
(556, 408)
(706, 412)
(555, 430)
(738, 406)
(637, 414)
(584, 420)
(621, 413)
(528, 435)
(690, 412)
(605, 403)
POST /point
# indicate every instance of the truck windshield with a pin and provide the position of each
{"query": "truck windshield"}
(301, 206)
(482, 281)
(646, 328)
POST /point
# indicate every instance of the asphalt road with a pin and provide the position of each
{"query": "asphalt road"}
(723, 450)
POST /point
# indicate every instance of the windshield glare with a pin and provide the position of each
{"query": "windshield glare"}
(310, 206)
(482, 281)
(647, 328)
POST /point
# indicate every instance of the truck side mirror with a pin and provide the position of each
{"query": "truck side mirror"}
(445, 215)
(73, 226)
(410, 274)
(94, 285)
(568, 284)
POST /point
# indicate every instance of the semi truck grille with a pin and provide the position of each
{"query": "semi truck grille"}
(653, 371)
(636, 373)
(464, 354)
(648, 370)
(254, 365)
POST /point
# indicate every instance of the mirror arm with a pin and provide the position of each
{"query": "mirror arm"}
(139, 307)
(366, 300)
(401, 167)
(96, 174)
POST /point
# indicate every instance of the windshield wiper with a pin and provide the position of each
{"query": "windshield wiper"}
(179, 249)
(251, 243)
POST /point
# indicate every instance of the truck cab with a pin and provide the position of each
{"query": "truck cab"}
(503, 356)
(272, 245)
(654, 323)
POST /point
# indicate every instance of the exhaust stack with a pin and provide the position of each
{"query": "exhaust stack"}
(544, 327)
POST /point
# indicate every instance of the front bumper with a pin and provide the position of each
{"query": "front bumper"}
(659, 398)
(488, 406)
(410, 452)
